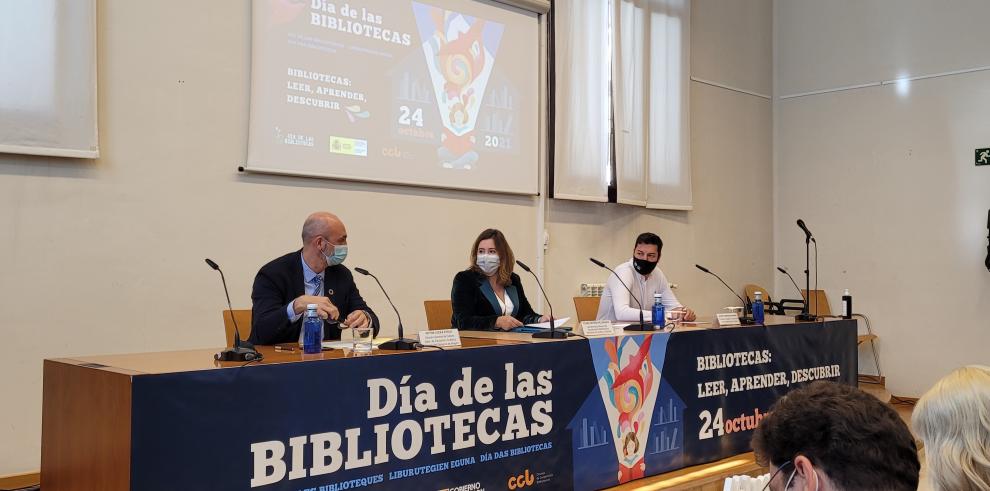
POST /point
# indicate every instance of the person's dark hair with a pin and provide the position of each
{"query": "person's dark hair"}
(858, 441)
(649, 238)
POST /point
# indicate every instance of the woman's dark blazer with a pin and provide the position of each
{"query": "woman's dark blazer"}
(476, 307)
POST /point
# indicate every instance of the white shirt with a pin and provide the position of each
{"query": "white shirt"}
(616, 304)
(506, 304)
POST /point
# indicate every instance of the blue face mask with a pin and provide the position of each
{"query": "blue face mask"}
(338, 255)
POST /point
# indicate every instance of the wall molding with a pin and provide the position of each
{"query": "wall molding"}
(882, 83)
(729, 87)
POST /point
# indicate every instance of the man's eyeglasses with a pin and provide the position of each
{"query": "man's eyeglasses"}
(782, 466)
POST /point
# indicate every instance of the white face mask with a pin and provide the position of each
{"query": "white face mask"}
(488, 263)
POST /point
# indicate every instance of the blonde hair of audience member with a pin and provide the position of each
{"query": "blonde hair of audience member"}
(953, 419)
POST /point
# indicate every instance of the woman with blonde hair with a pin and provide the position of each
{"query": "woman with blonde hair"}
(953, 420)
(488, 295)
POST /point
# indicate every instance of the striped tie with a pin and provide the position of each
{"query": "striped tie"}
(317, 283)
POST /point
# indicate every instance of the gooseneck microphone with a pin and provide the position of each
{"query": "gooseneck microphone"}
(241, 350)
(796, 287)
(553, 333)
(743, 319)
(396, 344)
(642, 326)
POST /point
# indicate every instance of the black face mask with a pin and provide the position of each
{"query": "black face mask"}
(643, 266)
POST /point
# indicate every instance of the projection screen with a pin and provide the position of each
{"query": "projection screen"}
(440, 93)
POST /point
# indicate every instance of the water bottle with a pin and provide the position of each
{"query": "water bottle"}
(312, 331)
(758, 307)
(847, 305)
(659, 319)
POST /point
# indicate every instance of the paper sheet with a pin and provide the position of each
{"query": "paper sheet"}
(546, 325)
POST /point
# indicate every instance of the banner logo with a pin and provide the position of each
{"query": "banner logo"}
(522, 480)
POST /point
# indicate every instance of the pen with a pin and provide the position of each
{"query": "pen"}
(288, 349)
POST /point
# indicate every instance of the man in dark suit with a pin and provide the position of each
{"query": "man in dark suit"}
(311, 275)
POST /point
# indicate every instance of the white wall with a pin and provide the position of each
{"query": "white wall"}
(731, 160)
(886, 180)
(106, 256)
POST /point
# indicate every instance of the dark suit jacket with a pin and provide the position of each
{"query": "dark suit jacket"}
(280, 282)
(476, 307)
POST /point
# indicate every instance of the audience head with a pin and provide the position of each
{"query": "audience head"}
(830, 436)
(953, 420)
(492, 256)
(324, 239)
(646, 252)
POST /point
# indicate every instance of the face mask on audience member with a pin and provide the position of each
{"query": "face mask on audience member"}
(337, 256)
(488, 263)
(643, 266)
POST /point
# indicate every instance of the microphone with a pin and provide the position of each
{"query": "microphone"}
(807, 233)
(631, 327)
(796, 287)
(241, 350)
(396, 344)
(553, 333)
(744, 319)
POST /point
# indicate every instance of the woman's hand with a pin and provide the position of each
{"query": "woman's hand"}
(507, 322)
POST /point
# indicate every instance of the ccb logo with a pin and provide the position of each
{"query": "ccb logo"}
(522, 480)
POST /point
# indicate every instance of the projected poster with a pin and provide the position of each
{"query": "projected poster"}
(439, 93)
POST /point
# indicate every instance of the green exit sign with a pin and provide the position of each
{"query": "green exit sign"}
(983, 156)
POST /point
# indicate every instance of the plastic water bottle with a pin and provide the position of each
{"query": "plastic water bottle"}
(312, 331)
(758, 307)
(847, 305)
(659, 315)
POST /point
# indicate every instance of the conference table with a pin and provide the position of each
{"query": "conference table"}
(503, 411)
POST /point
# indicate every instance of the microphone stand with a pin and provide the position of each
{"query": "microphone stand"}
(553, 333)
(642, 326)
(805, 315)
(401, 343)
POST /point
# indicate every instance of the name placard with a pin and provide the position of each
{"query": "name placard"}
(445, 338)
(727, 319)
(598, 328)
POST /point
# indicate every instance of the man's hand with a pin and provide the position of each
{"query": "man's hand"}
(358, 319)
(507, 322)
(544, 318)
(687, 314)
(324, 307)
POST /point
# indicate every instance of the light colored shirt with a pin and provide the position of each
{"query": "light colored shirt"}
(506, 305)
(310, 287)
(616, 305)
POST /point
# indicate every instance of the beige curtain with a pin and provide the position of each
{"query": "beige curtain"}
(651, 74)
(48, 68)
(582, 148)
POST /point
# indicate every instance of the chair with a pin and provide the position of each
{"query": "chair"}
(817, 303)
(243, 318)
(823, 309)
(771, 306)
(586, 308)
(438, 314)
